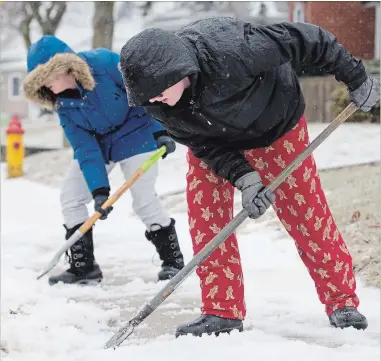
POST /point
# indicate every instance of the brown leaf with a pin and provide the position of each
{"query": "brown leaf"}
(355, 216)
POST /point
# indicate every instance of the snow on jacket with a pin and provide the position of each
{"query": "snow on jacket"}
(96, 117)
(244, 91)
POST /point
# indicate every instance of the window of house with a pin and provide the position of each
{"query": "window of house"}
(14, 86)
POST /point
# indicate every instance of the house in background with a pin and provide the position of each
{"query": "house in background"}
(172, 15)
(76, 30)
(356, 24)
(12, 72)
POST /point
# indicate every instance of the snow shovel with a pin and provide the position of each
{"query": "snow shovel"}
(96, 215)
(126, 330)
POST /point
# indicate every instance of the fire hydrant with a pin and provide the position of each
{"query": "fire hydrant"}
(15, 148)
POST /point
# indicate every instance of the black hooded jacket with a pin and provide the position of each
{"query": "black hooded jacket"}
(244, 91)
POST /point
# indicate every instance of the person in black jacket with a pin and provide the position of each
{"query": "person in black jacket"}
(228, 90)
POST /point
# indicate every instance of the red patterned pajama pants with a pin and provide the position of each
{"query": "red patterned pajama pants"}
(300, 205)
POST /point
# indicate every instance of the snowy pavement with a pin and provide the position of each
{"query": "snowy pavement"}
(285, 321)
(349, 144)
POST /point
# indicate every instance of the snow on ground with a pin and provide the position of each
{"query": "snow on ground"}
(285, 320)
(350, 144)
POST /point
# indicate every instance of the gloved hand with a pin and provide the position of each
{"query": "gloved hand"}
(366, 95)
(100, 196)
(254, 199)
(168, 142)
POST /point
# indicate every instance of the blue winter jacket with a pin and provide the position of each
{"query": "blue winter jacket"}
(98, 123)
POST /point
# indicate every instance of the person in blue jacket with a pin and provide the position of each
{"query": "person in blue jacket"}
(86, 90)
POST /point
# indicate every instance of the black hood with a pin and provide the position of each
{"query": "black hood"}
(153, 61)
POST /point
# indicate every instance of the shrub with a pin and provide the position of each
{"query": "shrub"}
(340, 99)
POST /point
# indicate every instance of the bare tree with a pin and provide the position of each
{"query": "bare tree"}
(24, 25)
(19, 15)
(145, 7)
(103, 24)
(48, 14)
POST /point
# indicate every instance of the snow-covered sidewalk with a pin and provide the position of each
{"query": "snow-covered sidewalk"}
(285, 319)
(350, 144)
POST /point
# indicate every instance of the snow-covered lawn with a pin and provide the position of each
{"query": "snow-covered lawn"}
(285, 319)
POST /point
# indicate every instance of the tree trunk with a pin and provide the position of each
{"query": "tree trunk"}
(54, 11)
(146, 8)
(24, 28)
(103, 24)
(24, 25)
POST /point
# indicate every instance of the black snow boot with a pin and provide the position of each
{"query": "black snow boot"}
(209, 324)
(167, 246)
(83, 268)
(348, 317)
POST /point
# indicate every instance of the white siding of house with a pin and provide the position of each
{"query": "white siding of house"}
(12, 103)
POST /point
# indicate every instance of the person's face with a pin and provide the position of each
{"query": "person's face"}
(61, 83)
(171, 95)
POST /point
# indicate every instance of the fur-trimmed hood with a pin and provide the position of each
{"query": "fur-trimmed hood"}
(51, 57)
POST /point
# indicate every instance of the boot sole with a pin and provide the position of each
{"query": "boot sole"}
(217, 333)
(84, 282)
(356, 325)
(165, 276)
(91, 282)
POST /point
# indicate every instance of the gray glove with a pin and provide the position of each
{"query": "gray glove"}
(366, 95)
(254, 199)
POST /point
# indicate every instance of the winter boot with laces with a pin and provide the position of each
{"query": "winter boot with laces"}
(167, 246)
(348, 317)
(83, 268)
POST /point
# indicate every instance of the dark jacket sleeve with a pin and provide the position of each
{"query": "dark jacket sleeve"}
(226, 163)
(301, 44)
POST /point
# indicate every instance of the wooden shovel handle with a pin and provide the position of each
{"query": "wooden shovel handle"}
(123, 188)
